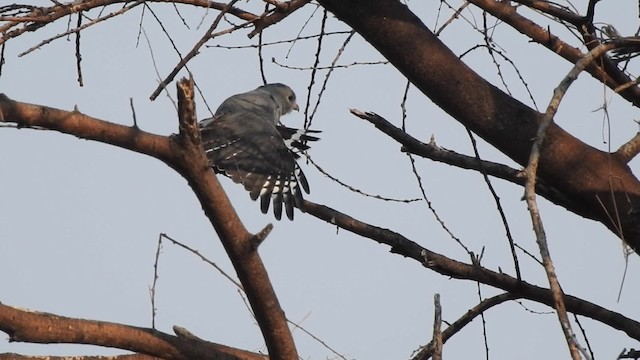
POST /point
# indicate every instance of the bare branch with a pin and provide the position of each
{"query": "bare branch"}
(445, 266)
(465, 319)
(356, 190)
(530, 196)
(630, 149)
(38, 327)
(435, 152)
(80, 27)
(194, 51)
(282, 11)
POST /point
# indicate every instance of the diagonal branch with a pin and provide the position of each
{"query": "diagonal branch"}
(435, 152)
(530, 195)
(458, 270)
(195, 50)
(463, 321)
(282, 11)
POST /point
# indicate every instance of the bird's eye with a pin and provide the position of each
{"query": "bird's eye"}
(292, 98)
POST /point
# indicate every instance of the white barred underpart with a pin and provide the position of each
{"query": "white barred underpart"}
(233, 155)
(290, 185)
(276, 187)
(265, 186)
(216, 148)
(297, 136)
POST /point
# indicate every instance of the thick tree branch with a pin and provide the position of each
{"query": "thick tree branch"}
(597, 183)
(193, 165)
(85, 127)
(38, 327)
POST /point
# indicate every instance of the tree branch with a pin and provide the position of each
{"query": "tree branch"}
(38, 327)
(445, 266)
(282, 11)
(630, 149)
(435, 152)
(465, 319)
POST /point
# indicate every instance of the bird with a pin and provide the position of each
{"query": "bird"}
(245, 141)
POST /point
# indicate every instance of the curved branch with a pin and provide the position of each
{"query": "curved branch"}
(436, 153)
(443, 265)
(463, 321)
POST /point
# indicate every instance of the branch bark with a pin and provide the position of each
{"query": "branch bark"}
(38, 327)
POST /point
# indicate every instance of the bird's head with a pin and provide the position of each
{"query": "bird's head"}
(283, 96)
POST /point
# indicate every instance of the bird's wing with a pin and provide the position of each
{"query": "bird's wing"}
(296, 139)
(247, 147)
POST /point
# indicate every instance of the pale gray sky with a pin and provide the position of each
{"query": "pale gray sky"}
(79, 221)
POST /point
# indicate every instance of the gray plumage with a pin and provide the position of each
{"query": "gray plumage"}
(245, 141)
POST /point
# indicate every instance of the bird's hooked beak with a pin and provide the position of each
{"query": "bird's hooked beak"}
(296, 107)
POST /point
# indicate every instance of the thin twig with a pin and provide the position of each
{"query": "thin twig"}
(530, 194)
(312, 77)
(501, 212)
(152, 290)
(78, 54)
(205, 259)
(278, 42)
(464, 320)
(314, 337)
(328, 75)
(79, 28)
(194, 51)
(354, 189)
